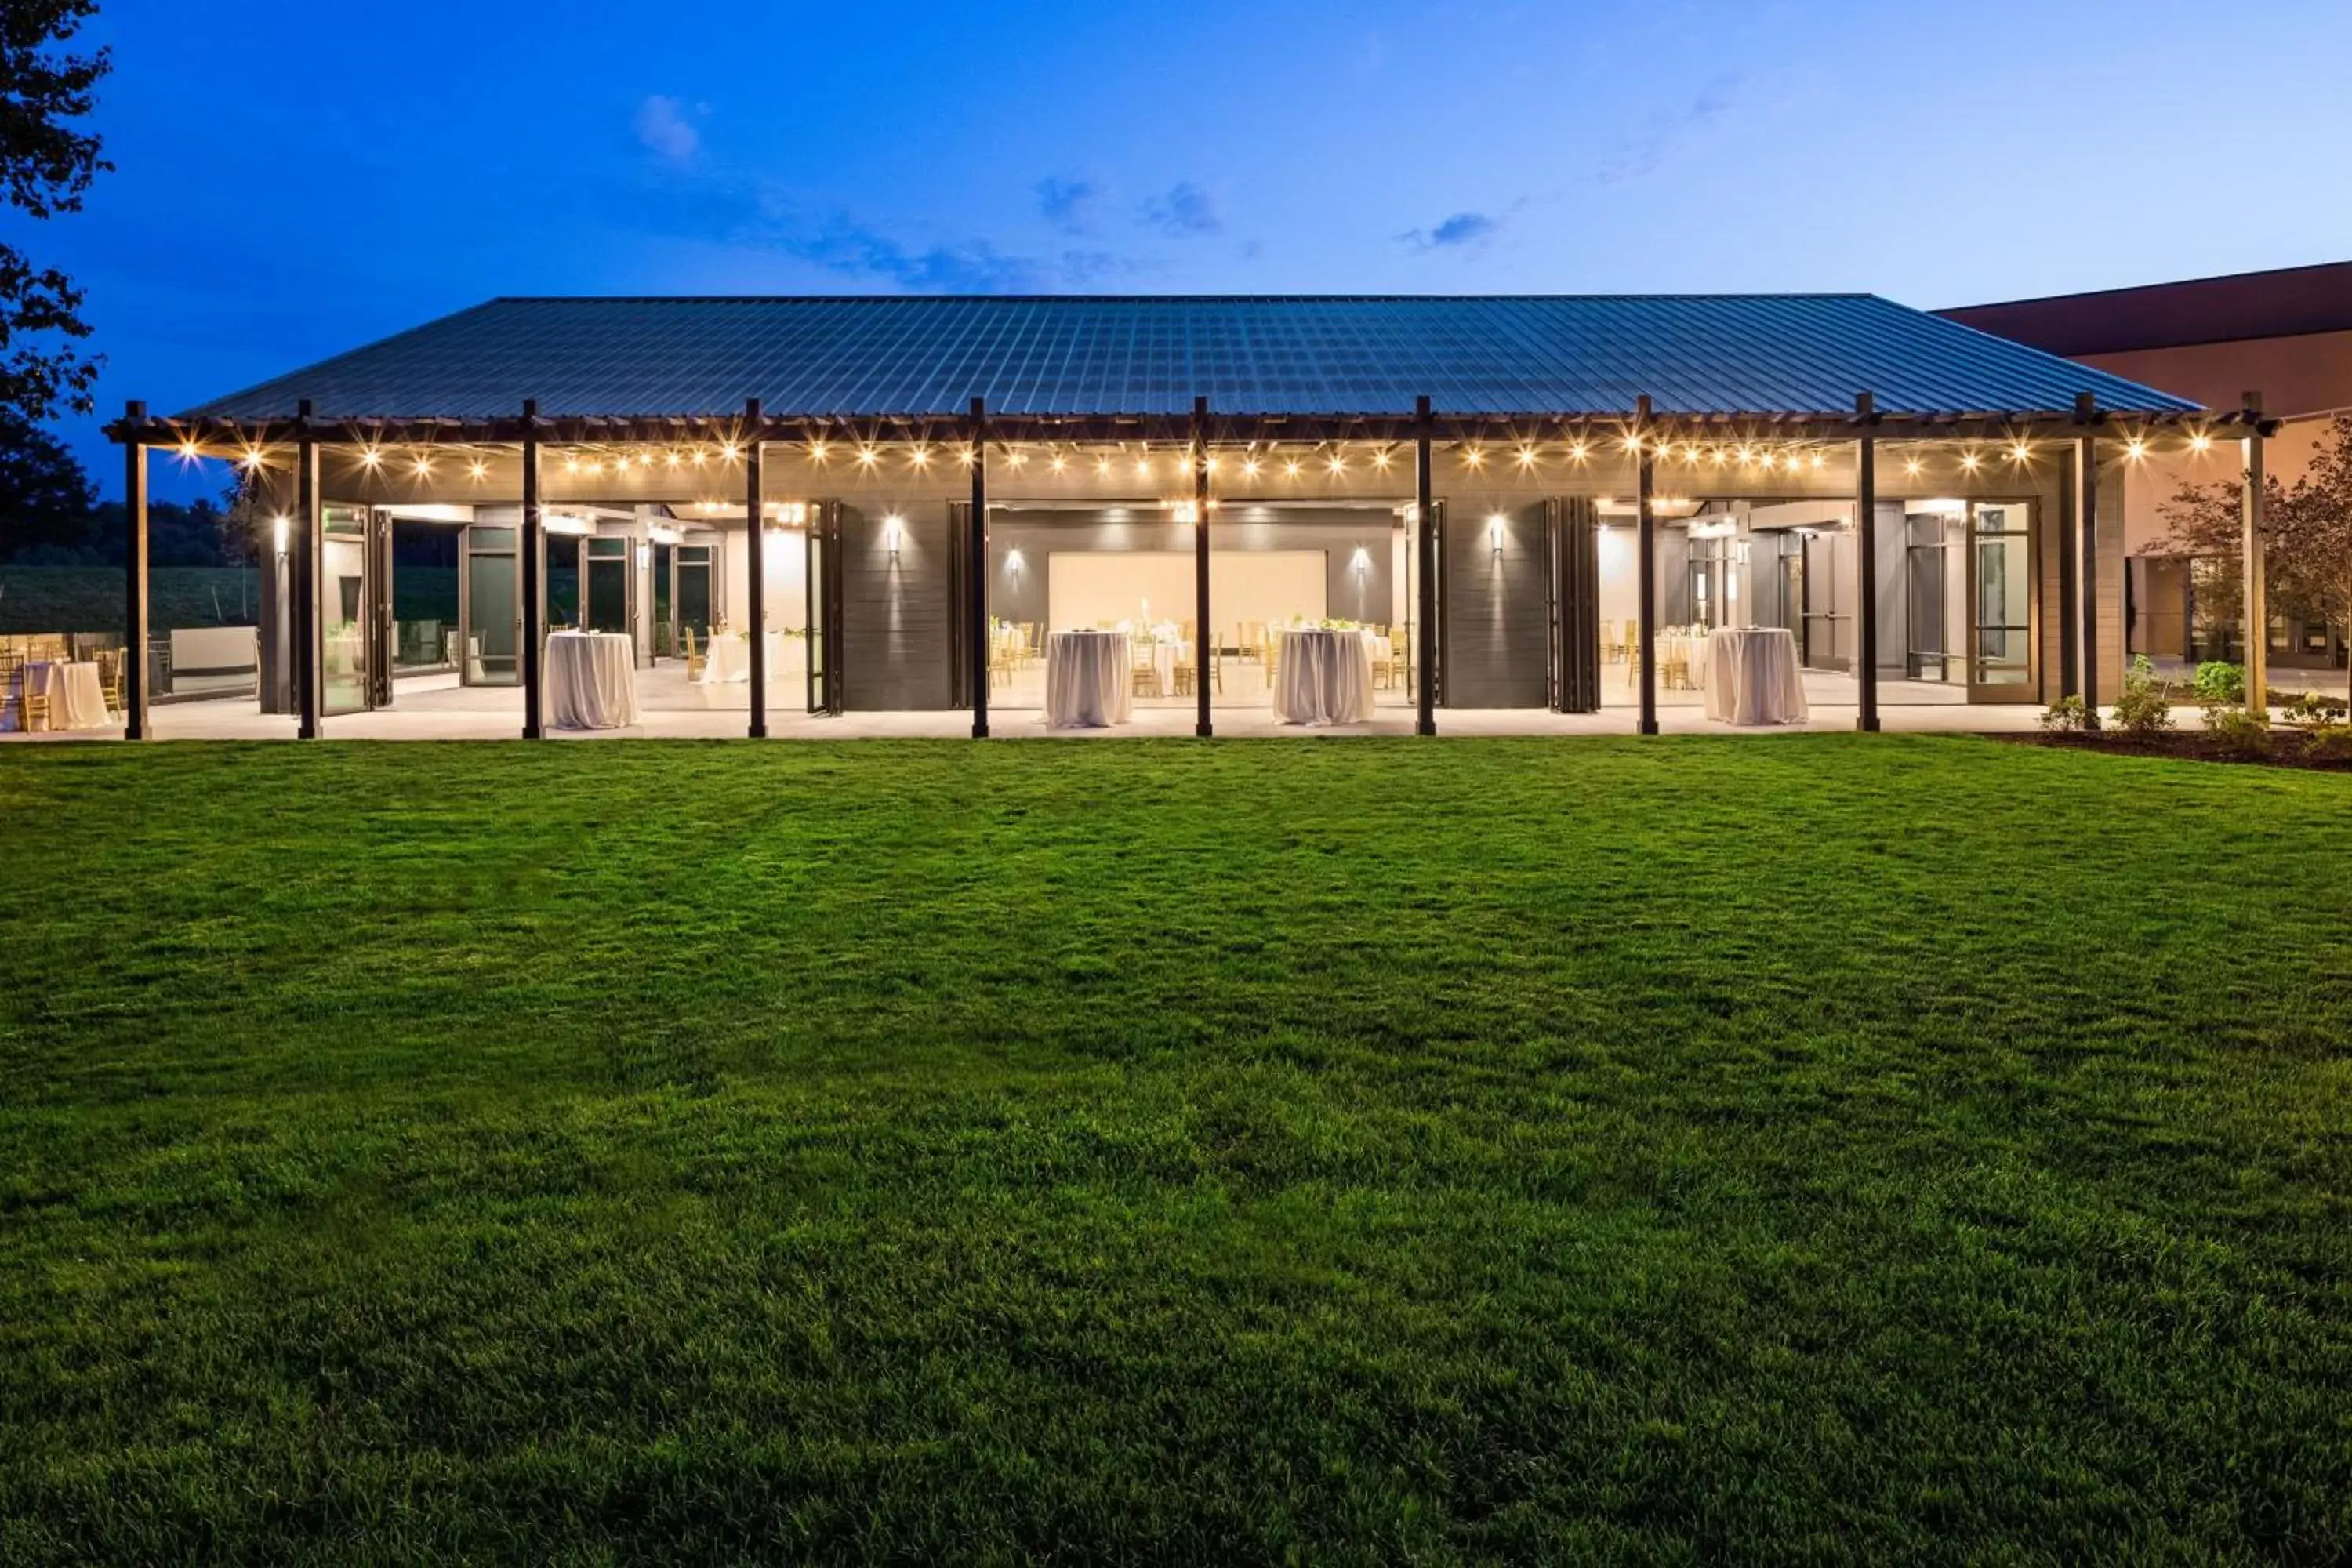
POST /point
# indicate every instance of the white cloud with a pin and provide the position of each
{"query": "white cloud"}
(665, 131)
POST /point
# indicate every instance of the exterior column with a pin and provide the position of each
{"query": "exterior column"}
(755, 518)
(1202, 638)
(1426, 551)
(310, 520)
(1866, 554)
(2069, 601)
(976, 524)
(1645, 550)
(534, 540)
(2257, 595)
(134, 577)
(2087, 521)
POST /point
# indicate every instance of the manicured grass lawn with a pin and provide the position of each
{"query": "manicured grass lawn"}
(1877, 1148)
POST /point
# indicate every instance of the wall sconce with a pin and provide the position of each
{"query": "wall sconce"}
(1360, 563)
(1494, 532)
(1015, 565)
(277, 526)
(893, 528)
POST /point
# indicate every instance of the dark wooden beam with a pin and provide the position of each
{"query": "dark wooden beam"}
(976, 636)
(2086, 524)
(1866, 538)
(533, 545)
(310, 524)
(1204, 639)
(2256, 504)
(755, 518)
(1425, 516)
(134, 581)
(1645, 551)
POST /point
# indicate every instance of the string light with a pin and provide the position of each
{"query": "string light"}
(1818, 461)
(672, 459)
(252, 458)
(1337, 464)
(2201, 442)
(1911, 466)
(920, 457)
(1526, 459)
(423, 467)
(369, 457)
(1473, 457)
(2135, 448)
(1576, 451)
(1143, 468)
(478, 470)
(816, 454)
(1971, 461)
(2019, 453)
(1250, 465)
(1102, 468)
(728, 450)
(1290, 467)
(868, 456)
(188, 451)
(1381, 458)
(1059, 464)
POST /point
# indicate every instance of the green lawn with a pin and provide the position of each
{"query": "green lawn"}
(1800, 1148)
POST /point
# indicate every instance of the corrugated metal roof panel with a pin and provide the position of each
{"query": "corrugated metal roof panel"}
(926, 356)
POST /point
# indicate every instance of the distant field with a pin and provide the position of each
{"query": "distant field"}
(90, 598)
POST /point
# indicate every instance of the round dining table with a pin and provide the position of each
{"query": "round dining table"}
(1753, 677)
(76, 700)
(1324, 677)
(592, 681)
(1087, 680)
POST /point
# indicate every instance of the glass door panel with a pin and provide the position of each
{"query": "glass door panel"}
(345, 611)
(2001, 599)
(490, 607)
(604, 594)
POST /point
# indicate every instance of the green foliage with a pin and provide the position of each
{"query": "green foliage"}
(2241, 730)
(46, 161)
(2140, 710)
(2330, 742)
(2064, 716)
(2311, 708)
(2220, 683)
(1472, 1150)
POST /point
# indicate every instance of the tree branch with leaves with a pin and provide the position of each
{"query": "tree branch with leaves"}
(47, 162)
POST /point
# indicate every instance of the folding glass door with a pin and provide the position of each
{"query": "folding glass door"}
(355, 610)
(490, 607)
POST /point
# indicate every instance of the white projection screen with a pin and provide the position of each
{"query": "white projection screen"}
(1084, 587)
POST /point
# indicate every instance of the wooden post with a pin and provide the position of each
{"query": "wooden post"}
(2257, 595)
(134, 577)
(2069, 601)
(976, 639)
(755, 519)
(1645, 527)
(1866, 554)
(2086, 523)
(1202, 641)
(310, 520)
(1425, 516)
(533, 544)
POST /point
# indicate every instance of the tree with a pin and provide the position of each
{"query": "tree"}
(45, 497)
(46, 164)
(2307, 543)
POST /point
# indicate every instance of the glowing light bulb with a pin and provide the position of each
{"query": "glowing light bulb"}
(816, 453)
(1381, 458)
(1577, 450)
(868, 456)
(1250, 467)
(478, 470)
(1526, 458)
(369, 457)
(1102, 468)
(1971, 461)
(1474, 458)
(423, 467)
(2019, 453)
(920, 457)
(1290, 467)
(1337, 464)
(1059, 464)
(2135, 448)
(1911, 466)
(673, 459)
(2201, 442)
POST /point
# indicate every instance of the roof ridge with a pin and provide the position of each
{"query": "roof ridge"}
(1244, 299)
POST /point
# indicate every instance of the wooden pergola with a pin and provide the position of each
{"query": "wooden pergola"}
(1642, 432)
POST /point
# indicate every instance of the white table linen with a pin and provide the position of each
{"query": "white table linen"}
(726, 660)
(1752, 677)
(1326, 678)
(1087, 680)
(592, 681)
(77, 701)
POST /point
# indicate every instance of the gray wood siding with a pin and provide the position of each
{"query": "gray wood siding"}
(1497, 608)
(894, 613)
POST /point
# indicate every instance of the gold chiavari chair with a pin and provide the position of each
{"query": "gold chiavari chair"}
(1143, 670)
(695, 658)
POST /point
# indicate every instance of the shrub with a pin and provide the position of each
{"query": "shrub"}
(2310, 708)
(2329, 744)
(2242, 731)
(2140, 707)
(2220, 684)
(2064, 716)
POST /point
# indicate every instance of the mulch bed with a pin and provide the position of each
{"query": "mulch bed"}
(2289, 748)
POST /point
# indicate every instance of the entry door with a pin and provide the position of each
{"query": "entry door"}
(823, 585)
(489, 606)
(1437, 525)
(2001, 665)
(354, 630)
(690, 592)
(1821, 640)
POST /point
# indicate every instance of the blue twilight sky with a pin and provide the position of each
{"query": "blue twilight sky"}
(295, 179)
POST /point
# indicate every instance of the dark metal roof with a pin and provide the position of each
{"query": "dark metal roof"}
(2292, 302)
(927, 356)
